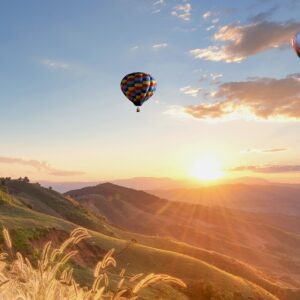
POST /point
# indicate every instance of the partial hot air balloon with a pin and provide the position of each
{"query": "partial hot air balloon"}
(138, 88)
(296, 43)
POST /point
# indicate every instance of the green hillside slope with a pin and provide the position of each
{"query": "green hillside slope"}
(52, 203)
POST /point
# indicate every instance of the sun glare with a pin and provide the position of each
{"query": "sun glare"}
(206, 169)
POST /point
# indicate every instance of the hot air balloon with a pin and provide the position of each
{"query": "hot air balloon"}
(138, 88)
(296, 43)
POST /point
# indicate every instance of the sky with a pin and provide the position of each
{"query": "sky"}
(228, 88)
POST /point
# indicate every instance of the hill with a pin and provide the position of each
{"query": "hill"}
(54, 204)
(263, 241)
(30, 228)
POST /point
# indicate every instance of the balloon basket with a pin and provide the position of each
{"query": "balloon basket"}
(138, 109)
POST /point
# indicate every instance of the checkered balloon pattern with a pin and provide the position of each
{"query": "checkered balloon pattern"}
(138, 87)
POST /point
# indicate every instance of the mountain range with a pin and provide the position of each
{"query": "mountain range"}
(150, 183)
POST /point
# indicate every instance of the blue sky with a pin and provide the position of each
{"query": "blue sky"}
(62, 63)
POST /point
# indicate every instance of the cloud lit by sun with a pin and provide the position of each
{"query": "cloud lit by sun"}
(206, 169)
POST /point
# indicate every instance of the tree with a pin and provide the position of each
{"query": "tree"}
(26, 179)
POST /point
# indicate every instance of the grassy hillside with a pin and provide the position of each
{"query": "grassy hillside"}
(34, 215)
(264, 243)
(52, 203)
(30, 229)
(223, 262)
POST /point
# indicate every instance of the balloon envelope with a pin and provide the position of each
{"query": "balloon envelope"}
(138, 87)
(296, 43)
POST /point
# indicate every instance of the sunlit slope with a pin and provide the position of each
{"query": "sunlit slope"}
(190, 269)
(50, 202)
(223, 262)
(26, 223)
(13, 215)
(249, 237)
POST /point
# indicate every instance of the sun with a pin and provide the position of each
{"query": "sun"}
(206, 169)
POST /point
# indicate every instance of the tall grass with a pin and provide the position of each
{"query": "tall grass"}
(52, 278)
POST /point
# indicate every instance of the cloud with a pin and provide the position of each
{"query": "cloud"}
(207, 15)
(209, 28)
(264, 15)
(54, 64)
(190, 91)
(134, 48)
(269, 168)
(160, 46)
(213, 53)
(159, 2)
(39, 166)
(259, 98)
(182, 11)
(158, 5)
(242, 41)
(177, 111)
(211, 16)
(215, 21)
(216, 76)
(267, 150)
(211, 78)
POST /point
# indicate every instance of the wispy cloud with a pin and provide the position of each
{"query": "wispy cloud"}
(211, 16)
(209, 28)
(242, 41)
(216, 76)
(55, 64)
(212, 78)
(258, 98)
(134, 48)
(268, 168)
(177, 111)
(158, 4)
(183, 11)
(213, 53)
(160, 46)
(190, 91)
(267, 150)
(40, 166)
(262, 16)
(207, 15)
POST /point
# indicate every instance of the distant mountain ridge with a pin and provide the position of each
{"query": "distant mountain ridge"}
(139, 183)
(151, 183)
(275, 198)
